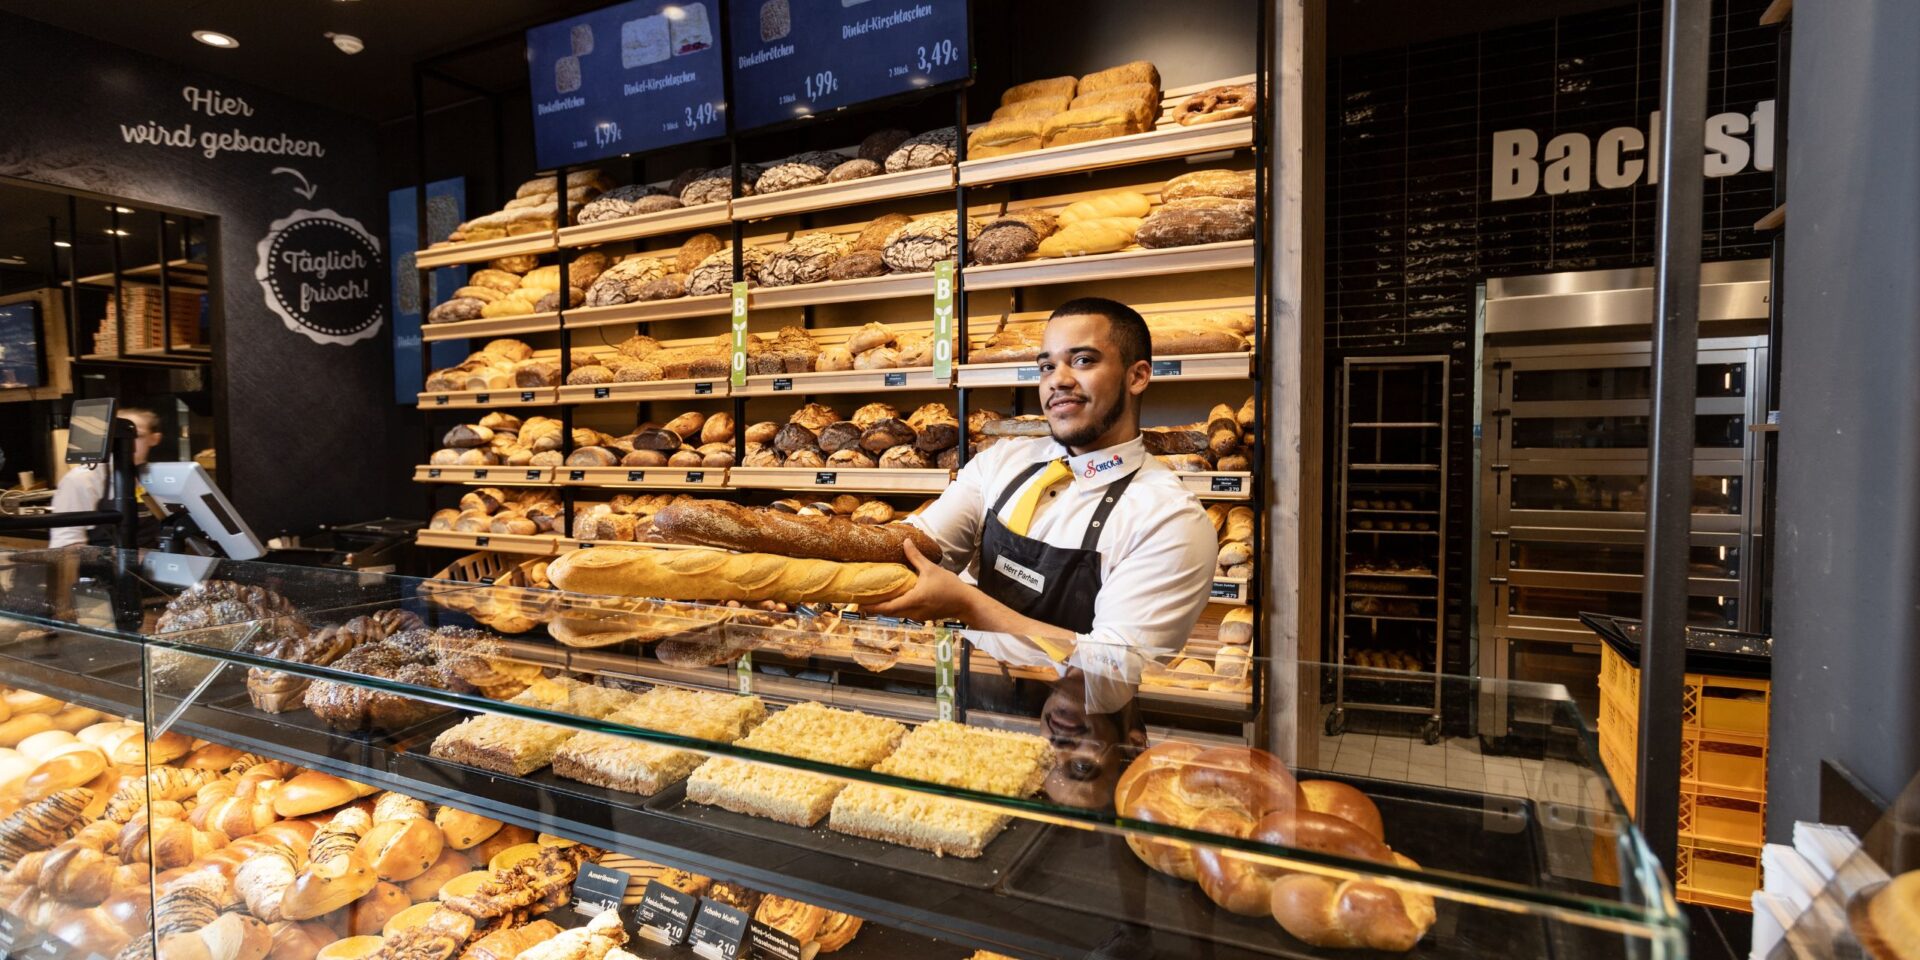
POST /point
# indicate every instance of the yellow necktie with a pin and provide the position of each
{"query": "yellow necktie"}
(1024, 508)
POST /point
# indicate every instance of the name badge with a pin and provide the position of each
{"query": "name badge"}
(1019, 574)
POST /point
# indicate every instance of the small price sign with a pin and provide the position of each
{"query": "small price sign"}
(483, 398)
(597, 889)
(944, 671)
(703, 389)
(774, 945)
(942, 320)
(440, 400)
(1166, 368)
(526, 396)
(1227, 484)
(895, 378)
(1226, 590)
(739, 376)
(696, 476)
(635, 476)
(783, 383)
(719, 931)
(601, 393)
(665, 914)
(825, 478)
(433, 473)
(576, 475)
(1027, 374)
(10, 929)
(480, 474)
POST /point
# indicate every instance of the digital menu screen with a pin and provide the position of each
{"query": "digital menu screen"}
(20, 345)
(631, 77)
(793, 58)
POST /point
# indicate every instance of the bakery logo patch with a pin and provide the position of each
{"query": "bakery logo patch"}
(1098, 467)
(317, 272)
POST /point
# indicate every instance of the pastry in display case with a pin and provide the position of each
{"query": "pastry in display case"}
(444, 790)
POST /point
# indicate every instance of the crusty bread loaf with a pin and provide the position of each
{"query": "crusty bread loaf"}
(1103, 235)
(1011, 135)
(1062, 87)
(1138, 71)
(730, 526)
(713, 575)
(1097, 122)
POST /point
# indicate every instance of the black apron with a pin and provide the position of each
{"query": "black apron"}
(1054, 585)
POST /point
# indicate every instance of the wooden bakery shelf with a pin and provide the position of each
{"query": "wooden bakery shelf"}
(645, 225)
(643, 478)
(491, 327)
(480, 251)
(859, 479)
(501, 397)
(1195, 697)
(1167, 141)
(843, 381)
(826, 196)
(1170, 141)
(1218, 484)
(718, 304)
(1230, 591)
(1198, 366)
(1136, 262)
(494, 476)
(539, 545)
(843, 291)
(644, 390)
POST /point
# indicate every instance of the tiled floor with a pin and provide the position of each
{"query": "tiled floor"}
(1391, 749)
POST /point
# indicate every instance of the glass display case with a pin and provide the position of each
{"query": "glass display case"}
(450, 770)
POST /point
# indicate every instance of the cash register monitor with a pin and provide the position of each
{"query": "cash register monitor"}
(90, 431)
(185, 486)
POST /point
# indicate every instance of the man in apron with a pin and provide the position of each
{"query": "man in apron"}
(1076, 552)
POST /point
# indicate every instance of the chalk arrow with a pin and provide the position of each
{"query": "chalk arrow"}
(305, 189)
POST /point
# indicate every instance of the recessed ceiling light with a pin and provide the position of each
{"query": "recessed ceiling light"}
(62, 244)
(117, 233)
(214, 38)
(120, 209)
(347, 42)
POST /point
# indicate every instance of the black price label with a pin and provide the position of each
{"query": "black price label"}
(696, 476)
(433, 473)
(479, 474)
(1227, 484)
(783, 383)
(483, 398)
(46, 948)
(526, 396)
(703, 388)
(825, 478)
(601, 393)
(597, 889)
(666, 914)
(1225, 590)
(440, 400)
(1026, 374)
(896, 380)
(482, 541)
(10, 927)
(576, 475)
(719, 931)
(583, 544)
(1166, 368)
(635, 476)
(771, 943)
(533, 474)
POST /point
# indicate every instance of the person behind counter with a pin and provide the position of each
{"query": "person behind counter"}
(1079, 549)
(88, 487)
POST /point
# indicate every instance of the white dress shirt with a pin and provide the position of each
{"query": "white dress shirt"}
(1157, 549)
(80, 489)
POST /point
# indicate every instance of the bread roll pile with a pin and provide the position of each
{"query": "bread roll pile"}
(518, 286)
(501, 438)
(532, 209)
(1384, 659)
(500, 365)
(1198, 667)
(1179, 334)
(527, 512)
(655, 275)
(692, 440)
(1224, 441)
(1235, 528)
(1058, 111)
(877, 435)
(1248, 793)
(1205, 206)
(627, 518)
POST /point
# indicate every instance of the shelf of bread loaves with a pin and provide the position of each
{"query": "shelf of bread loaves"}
(499, 444)
(511, 295)
(525, 226)
(689, 441)
(504, 373)
(511, 520)
(887, 165)
(878, 449)
(1111, 118)
(1203, 220)
(1192, 340)
(873, 357)
(642, 368)
(1213, 458)
(694, 279)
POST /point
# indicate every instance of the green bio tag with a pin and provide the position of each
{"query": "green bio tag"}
(743, 673)
(943, 320)
(739, 334)
(943, 671)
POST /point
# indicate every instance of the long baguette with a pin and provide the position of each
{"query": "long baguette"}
(717, 576)
(729, 526)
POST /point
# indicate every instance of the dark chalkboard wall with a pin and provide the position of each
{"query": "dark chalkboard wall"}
(308, 424)
(1411, 228)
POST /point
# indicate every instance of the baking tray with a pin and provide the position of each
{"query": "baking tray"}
(105, 675)
(984, 872)
(1474, 834)
(225, 714)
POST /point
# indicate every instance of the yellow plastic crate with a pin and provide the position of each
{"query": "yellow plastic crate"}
(1723, 820)
(1716, 874)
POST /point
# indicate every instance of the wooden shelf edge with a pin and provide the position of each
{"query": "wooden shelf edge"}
(1169, 142)
(491, 327)
(480, 251)
(1774, 220)
(645, 225)
(718, 304)
(1777, 12)
(1139, 262)
(828, 196)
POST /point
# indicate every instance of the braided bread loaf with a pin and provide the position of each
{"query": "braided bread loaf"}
(1246, 793)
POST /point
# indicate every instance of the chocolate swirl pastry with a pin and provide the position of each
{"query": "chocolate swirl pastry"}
(220, 615)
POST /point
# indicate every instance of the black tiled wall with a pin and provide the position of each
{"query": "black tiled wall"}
(1411, 228)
